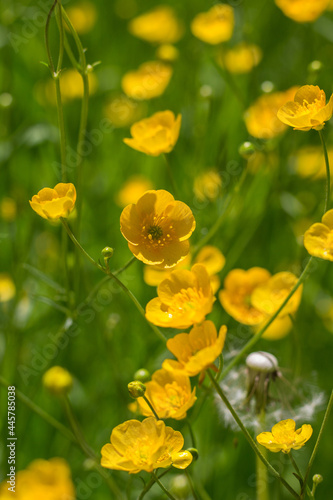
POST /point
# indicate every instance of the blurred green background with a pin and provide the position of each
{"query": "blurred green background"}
(113, 340)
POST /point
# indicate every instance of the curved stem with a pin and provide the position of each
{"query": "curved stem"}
(328, 173)
(151, 407)
(194, 444)
(117, 280)
(151, 483)
(259, 334)
(76, 430)
(315, 449)
(46, 36)
(248, 436)
(190, 480)
(167, 492)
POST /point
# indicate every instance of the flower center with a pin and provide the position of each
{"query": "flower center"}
(155, 232)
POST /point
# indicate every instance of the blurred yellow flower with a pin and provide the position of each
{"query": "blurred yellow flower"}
(261, 118)
(7, 287)
(214, 26)
(83, 16)
(195, 351)
(241, 58)
(71, 87)
(159, 25)
(269, 296)
(167, 52)
(302, 11)
(133, 189)
(309, 161)
(170, 395)
(54, 203)
(207, 185)
(277, 330)
(157, 228)
(184, 299)
(8, 209)
(155, 135)
(236, 295)
(307, 110)
(146, 445)
(147, 82)
(123, 111)
(210, 256)
(284, 437)
(318, 239)
(57, 380)
(42, 480)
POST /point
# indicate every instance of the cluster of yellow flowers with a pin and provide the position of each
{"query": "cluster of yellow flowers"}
(157, 228)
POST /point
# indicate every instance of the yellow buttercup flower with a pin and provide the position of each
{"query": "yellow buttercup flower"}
(155, 135)
(184, 299)
(57, 380)
(123, 111)
(269, 296)
(146, 445)
(41, 480)
(54, 203)
(8, 209)
(277, 330)
(308, 109)
(7, 287)
(207, 186)
(284, 436)
(318, 239)
(157, 228)
(210, 256)
(149, 81)
(261, 118)
(159, 25)
(83, 16)
(236, 295)
(170, 395)
(241, 58)
(132, 190)
(196, 351)
(302, 11)
(214, 26)
(309, 161)
(167, 52)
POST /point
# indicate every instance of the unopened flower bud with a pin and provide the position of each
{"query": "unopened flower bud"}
(136, 389)
(317, 478)
(142, 375)
(246, 150)
(107, 252)
(57, 380)
(194, 452)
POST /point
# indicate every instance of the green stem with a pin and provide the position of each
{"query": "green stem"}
(76, 430)
(261, 469)
(300, 475)
(259, 334)
(315, 449)
(151, 407)
(328, 174)
(167, 492)
(117, 280)
(193, 440)
(46, 37)
(248, 436)
(151, 483)
(190, 480)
